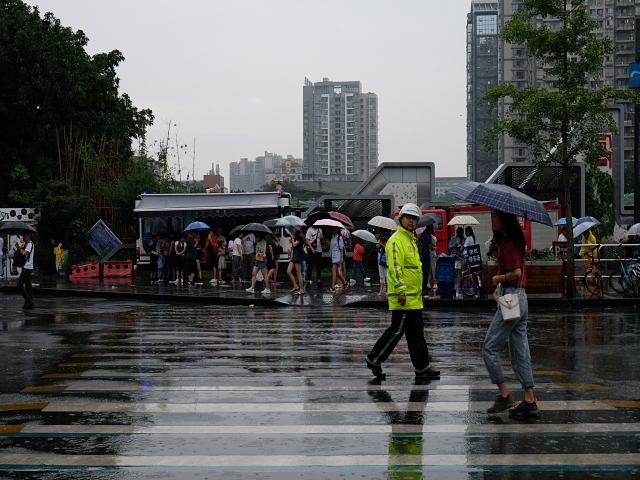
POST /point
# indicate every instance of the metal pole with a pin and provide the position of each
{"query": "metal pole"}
(636, 164)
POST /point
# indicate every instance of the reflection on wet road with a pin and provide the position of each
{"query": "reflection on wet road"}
(99, 389)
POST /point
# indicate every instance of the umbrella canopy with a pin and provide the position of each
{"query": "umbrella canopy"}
(383, 222)
(429, 219)
(271, 223)
(15, 228)
(329, 223)
(345, 233)
(634, 229)
(290, 221)
(197, 226)
(236, 229)
(582, 220)
(583, 227)
(503, 198)
(315, 216)
(342, 218)
(563, 221)
(365, 235)
(256, 227)
(463, 220)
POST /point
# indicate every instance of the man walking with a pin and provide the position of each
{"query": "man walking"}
(24, 280)
(404, 283)
(248, 255)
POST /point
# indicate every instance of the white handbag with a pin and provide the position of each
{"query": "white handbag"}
(509, 305)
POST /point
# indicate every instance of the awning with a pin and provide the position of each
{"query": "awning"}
(206, 205)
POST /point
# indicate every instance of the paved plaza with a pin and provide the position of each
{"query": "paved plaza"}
(99, 388)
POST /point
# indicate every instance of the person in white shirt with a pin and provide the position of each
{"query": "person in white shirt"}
(24, 280)
(248, 255)
(562, 237)
(314, 257)
(236, 277)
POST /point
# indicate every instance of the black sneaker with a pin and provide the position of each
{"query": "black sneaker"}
(524, 409)
(429, 373)
(376, 370)
(501, 404)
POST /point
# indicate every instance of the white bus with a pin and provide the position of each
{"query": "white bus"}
(167, 213)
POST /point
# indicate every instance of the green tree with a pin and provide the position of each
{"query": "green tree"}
(561, 126)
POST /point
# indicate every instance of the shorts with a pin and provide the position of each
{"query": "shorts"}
(222, 262)
(271, 264)
(260, 265)
(297, 257)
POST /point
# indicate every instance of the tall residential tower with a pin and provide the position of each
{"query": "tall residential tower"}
(340, 131)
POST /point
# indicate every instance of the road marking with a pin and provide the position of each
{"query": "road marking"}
(622, 403)
(588, 386)
(50, 388)
(400, 429)
(562, 461)
(575, 405)
(23, 406)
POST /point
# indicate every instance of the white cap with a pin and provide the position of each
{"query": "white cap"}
(410, 209)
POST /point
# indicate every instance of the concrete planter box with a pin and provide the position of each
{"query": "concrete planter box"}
(542, 277)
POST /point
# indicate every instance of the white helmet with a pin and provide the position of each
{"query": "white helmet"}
(410, 209)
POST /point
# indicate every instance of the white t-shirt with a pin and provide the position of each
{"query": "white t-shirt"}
(562, 238)
(314, 234)
(236, 243)
(247, 243)
(468, 241)
(30, 249)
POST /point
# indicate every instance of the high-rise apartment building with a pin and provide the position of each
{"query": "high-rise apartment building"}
(491, 61)
(246, 176)
(340, 131)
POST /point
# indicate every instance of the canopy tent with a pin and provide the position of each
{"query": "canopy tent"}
(206, 205)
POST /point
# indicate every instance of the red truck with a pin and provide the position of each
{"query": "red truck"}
(535, 234)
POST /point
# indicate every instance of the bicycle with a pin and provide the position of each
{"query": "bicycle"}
(592, 280)
(470, 283)
(625, 279)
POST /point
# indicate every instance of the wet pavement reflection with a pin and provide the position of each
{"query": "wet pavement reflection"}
(108, 389)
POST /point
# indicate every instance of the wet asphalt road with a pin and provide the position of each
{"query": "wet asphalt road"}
(105, 389)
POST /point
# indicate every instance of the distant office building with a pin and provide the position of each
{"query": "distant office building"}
(246, 176)
(340, 131)
(492, 62)
(213, 180)
(444, 184)
(289, 169)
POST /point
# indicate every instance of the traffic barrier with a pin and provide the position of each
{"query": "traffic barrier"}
(113, 268)
(86, 270)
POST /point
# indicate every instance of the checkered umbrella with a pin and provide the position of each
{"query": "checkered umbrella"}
(503, 198)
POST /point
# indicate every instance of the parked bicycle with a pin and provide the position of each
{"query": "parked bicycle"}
(470, 283)
(592, 280)
(625, 278)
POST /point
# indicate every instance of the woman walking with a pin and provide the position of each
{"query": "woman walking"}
(297, 243)
(260, 265)
(508, 246)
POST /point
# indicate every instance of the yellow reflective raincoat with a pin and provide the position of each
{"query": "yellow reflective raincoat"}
(404, 270)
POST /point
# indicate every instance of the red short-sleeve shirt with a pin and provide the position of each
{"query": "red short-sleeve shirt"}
(509, 259)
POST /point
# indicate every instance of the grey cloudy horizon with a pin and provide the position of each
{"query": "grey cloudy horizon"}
(230, 74)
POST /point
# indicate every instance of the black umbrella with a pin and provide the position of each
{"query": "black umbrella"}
(315, 216)
(255, 227)
(271, 223)
(236, 229)
(15, 228)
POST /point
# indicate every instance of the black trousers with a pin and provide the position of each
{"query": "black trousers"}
(24, 285)
(314, 259)
(426, 270)
(403, 322)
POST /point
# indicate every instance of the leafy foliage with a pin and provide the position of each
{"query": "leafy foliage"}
(561, 125)
(599, 200)
(290, 187)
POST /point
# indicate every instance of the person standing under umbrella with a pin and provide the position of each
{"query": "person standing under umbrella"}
(508, 246)
(336, 250)
(248, 254)
(24, 280)
(314, 235)
(236, 277)
(404, 284)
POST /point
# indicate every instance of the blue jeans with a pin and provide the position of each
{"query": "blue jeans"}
(515, 331)
(357, 265)
(237, 267)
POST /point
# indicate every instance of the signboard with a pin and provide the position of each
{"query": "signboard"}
(634, 75)
(29, 215)
(475, 259)
(559, 249)
(101, 238)
(606, 162)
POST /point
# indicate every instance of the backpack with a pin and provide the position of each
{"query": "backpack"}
(20, 260)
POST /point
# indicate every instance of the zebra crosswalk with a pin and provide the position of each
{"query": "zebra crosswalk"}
(288, 396)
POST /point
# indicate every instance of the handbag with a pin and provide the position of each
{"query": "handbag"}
(259, 257)
(383, 259)
(509, 303)
(20, 260)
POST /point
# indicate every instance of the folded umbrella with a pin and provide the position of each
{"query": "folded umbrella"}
(383, 222)
(365, 235)
(503, 198)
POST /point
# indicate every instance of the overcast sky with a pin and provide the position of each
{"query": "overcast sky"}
(230, 73)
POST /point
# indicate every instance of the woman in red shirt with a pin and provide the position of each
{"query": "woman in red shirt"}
(509, 247)
(358, 250)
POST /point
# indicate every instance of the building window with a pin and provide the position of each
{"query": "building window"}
(486, 24)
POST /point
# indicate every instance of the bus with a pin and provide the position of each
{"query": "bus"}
(171, 213)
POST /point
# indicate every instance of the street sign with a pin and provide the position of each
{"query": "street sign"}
(475, 259)
(634, 75)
